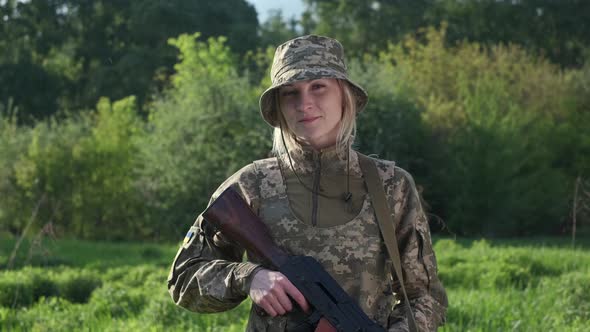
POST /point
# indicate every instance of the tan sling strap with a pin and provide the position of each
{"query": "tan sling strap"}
(377, 194)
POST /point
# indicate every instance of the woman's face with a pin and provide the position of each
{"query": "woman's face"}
(313, 110)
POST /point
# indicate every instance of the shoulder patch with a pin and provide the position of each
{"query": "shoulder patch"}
(189, 236)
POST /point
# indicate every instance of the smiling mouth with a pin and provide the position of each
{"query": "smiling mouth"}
(308, 120)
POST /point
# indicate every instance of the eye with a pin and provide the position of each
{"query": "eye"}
(288, 92)
(317, 86)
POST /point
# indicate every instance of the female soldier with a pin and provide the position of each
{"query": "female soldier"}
(313, 197)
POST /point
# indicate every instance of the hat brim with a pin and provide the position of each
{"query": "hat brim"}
(267, 99)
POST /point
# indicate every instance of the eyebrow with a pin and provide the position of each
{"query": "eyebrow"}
(310, 81)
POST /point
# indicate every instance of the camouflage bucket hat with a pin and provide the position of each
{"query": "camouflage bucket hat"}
(306, 58)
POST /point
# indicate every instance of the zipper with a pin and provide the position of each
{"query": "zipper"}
(316, 188)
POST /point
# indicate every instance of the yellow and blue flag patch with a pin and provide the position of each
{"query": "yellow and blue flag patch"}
(188, 237)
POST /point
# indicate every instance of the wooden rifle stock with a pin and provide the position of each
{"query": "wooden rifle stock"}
(234, 218)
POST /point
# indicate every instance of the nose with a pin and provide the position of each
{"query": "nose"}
(304, 101)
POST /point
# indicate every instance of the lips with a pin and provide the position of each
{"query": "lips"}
(309, 119)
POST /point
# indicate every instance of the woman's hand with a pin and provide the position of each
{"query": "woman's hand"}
(271, 290)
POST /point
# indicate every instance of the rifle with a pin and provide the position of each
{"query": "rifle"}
(234, 219)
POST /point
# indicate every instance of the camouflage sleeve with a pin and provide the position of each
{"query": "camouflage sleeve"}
(208, 274)
(427, 296)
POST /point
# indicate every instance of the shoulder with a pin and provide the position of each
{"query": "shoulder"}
(398, 184)
(393, 176)
(402, 195)
(248, 180)
(263, 166)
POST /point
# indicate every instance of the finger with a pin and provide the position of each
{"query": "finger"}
(283, 299)
(269, 310)
(276, 305)
(267, 306)
(296, 295)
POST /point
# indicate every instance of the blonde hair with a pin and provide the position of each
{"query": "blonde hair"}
(346, 132)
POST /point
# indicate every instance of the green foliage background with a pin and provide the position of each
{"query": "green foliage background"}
(119, 120)
(494, 136)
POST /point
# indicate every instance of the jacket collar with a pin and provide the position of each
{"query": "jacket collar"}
(331, 160)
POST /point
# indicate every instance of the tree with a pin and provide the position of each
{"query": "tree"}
(275, 30)
(202, 129)
(557, 29)
(83, 50)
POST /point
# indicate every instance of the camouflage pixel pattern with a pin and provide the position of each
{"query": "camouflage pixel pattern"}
(351, 251)
(306, 58)
(208, 274)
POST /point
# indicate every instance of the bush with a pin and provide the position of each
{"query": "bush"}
(16, 293)
(76, 286)
(24, 287)
(483, 266)
(55, 314)
(14, 140)
(43, 286)
(491, 117)
(572, 295)
(161, 311)
(135, 276)
(6, 317)
(204, 128)
(105, 201)
(78, 169)
(117, 300)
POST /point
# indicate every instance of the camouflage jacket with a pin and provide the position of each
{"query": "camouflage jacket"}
(208, 274)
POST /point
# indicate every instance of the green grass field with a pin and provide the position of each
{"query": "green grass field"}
(67, 285)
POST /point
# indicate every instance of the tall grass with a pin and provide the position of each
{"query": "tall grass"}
(508, 286)
(511, 285)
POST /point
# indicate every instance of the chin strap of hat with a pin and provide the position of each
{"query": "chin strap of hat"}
(377, 194)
